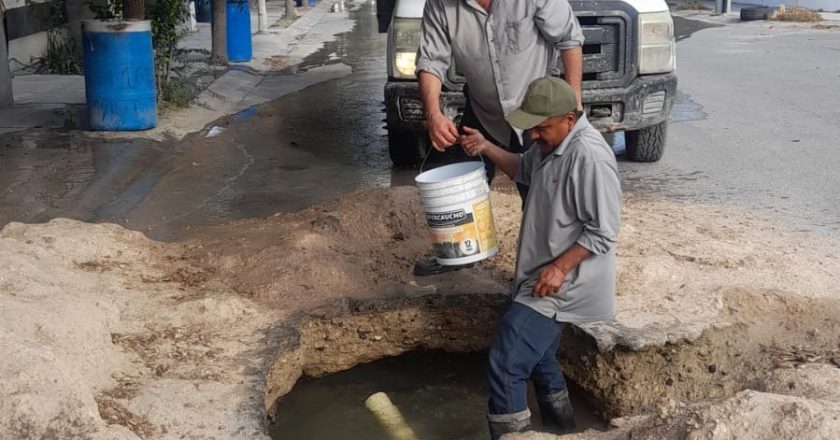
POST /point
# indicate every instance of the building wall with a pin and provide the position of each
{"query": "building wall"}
(26, 26)
(827, 5)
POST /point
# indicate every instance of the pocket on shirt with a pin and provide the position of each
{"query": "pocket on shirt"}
(520, 34)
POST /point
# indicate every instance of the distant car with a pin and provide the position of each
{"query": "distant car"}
(628, 75)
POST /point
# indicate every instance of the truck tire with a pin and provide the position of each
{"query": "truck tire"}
(407, 148)
(756, 13)
(647, 144)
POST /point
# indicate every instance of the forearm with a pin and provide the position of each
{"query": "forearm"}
(573, 69)
(430, 86)
(570, 259)
(506, 161)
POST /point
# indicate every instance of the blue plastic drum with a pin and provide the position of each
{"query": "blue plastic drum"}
(119, 75)
(238, 31)
(203, 11)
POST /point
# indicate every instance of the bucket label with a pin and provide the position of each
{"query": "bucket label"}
(463, 232)
(450, 218)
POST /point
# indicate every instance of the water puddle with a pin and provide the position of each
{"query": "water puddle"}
(442, 396)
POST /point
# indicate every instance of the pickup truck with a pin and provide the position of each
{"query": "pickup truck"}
(629, 59)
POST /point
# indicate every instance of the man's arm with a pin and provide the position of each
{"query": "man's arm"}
(433, 57)
(474, 143)
(573, 70)
(442, 130)
(596, 191)
(558, 25)
(552, 277)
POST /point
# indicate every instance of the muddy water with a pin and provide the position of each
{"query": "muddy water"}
(442, 397)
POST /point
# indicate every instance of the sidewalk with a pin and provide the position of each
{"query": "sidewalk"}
(57, 101)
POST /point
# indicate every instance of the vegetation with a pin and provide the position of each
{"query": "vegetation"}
(692, 5)
(795, 14)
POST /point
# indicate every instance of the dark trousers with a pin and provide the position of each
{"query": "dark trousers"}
(525, 347)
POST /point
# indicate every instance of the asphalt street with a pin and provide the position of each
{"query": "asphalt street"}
(755, 125)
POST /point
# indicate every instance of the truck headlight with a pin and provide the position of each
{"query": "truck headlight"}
(404, 64)
(405, 39)
(657, 49)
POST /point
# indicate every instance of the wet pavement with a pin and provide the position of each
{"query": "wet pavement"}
(312, 145)
(328, 139)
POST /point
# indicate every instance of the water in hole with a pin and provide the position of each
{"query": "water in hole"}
(442, 396)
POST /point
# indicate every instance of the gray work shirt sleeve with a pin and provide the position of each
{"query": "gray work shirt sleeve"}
(557, 22)
(597, 193)
(435, 50)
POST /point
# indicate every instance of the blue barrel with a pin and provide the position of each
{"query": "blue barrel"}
(238, 31)
(203, 11)
(119, 75)
(312, 3)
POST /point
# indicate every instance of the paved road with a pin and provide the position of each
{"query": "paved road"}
(755, 125)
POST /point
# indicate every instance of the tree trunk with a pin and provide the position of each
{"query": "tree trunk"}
(290, 9)
(263, 16)
(219, 30)
(133, 10)
(6, 96)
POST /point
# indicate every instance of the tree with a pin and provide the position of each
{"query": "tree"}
(133, 10)
(6, 96)
(263, 16)
(219, 29)
(290, 9)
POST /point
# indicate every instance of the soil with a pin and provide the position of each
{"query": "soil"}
(111, 335)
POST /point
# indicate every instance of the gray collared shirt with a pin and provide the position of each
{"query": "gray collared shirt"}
(574, 197)
(499, 53)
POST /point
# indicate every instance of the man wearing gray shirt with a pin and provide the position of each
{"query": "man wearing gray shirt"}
(499, 47)
(565, 269)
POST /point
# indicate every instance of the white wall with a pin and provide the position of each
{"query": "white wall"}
(827, 5)
(28, 47)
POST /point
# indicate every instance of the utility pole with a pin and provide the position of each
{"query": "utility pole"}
(263, 16)
(218, 27)
(6, 96)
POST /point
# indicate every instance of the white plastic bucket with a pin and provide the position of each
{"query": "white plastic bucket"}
(456, 199)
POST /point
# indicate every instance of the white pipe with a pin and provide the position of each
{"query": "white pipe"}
(389, 417)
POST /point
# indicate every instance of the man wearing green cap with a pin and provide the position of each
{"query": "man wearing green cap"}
(565, 269)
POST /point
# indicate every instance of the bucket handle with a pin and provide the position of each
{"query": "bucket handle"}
(429, 152)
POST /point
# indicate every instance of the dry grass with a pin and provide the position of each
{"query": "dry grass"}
(693, 5)
(799, 15)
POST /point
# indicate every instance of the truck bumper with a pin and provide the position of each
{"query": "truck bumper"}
(644, 102)
(405, 110)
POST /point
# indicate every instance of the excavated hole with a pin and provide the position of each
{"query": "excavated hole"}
(441, 396)
(618, 382)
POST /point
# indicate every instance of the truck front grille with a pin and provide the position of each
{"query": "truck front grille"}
(608, 50)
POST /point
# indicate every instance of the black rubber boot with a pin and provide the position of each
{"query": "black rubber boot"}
(557, 414)
(501, 424)
(432, 267)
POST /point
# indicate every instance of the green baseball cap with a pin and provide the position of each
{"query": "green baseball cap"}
(546, 97)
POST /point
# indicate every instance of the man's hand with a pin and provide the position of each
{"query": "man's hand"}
(551, 278)
(473, 142)
(442, 131)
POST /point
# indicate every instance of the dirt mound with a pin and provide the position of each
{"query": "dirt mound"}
(357, 246)
(105, 336)
(111, 335)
